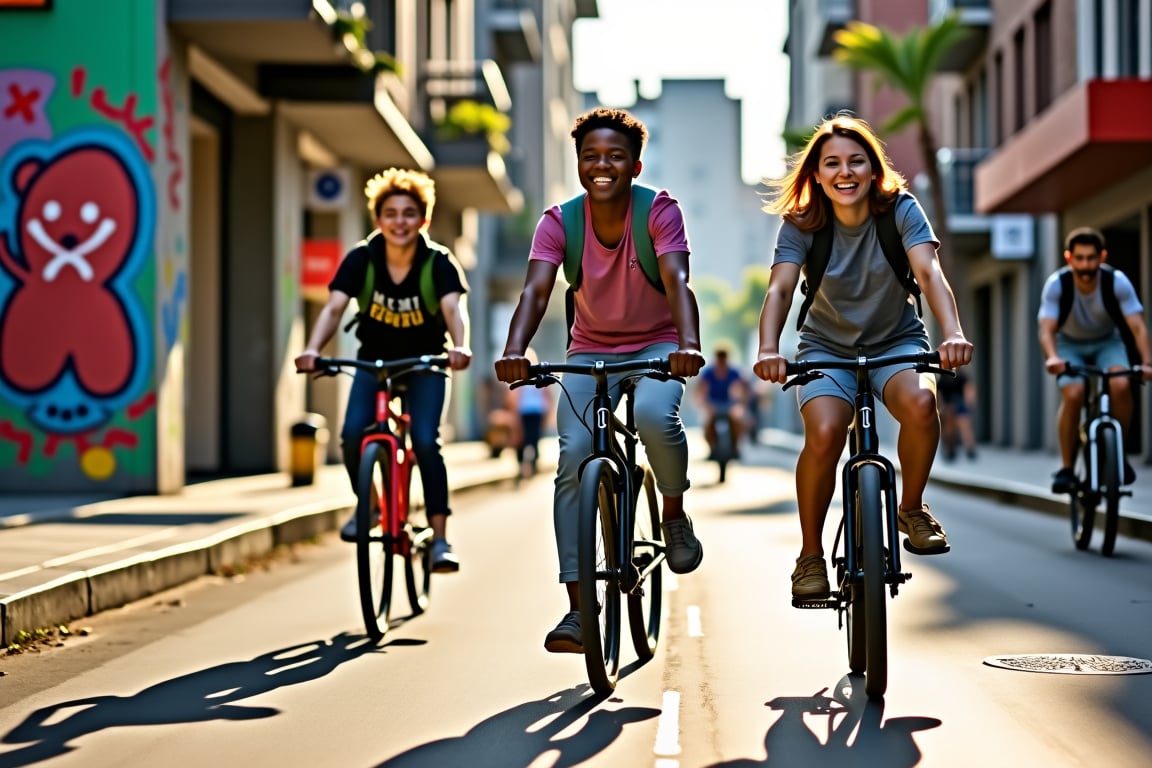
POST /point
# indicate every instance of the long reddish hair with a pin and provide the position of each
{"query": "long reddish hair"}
(801, 201)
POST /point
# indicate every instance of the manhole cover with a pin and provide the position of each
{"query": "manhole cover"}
(1072, 664)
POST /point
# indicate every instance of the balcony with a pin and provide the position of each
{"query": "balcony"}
(1095, 135)
(347, 110)
(958, 171)
(976, 18)
(514, 32)
(833, 16)
(469, 172)
(284, 31)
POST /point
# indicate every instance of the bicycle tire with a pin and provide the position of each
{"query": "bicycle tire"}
(724, 448)
(855, 605)
(1082, 501)
(1110, 477)
(418, 568)
(644, 609)
(869, 487)
(599, 586)
(374, 559)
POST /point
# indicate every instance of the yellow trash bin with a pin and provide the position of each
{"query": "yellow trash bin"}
(309, 441)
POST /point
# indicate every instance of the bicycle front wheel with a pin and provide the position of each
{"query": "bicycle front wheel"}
(871, 508)
(1082, 501)
(598, 573)
(1110, 475)
(646, 602)
(374, 559)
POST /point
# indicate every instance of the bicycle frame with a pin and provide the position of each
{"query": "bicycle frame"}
(865, 449)
(391, 428)
(1097, 419)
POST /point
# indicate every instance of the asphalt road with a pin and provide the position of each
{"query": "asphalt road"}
(273, 668)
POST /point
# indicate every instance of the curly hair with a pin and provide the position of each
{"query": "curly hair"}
(400, 181)
(618, 120)
(804, 203)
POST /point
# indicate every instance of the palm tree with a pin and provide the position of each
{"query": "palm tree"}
(907, 63)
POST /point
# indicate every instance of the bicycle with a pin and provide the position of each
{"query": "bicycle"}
(620, 545)
(724, 451)
(869, 559)
(1098, 458)
(385, 531)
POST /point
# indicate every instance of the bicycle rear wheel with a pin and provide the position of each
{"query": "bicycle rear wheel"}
(875, 566)
(724, 450)
(1082, 501)
(374, 559)
(598, 569)
(645, 605)
(1110, 476)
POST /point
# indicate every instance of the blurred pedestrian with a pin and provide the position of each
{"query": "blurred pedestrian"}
(956, 397)
(533, 409)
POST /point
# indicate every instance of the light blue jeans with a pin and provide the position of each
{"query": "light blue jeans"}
(657, 409)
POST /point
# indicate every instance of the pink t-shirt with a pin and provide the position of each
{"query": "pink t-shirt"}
(617, 309)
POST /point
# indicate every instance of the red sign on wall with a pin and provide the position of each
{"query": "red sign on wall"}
(45, 4)
(318, 262)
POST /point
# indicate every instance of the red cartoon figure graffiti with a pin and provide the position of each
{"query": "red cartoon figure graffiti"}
(70, 333)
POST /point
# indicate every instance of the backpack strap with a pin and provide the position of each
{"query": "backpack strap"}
(1066, 295)
(1108, 297)
(572, 214)
(427, 281)
(887, 232)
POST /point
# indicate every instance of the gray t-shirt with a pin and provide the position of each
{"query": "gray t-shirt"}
(1088, 320)
(860, 303)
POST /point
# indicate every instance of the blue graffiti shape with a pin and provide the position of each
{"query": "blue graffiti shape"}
(77, 219)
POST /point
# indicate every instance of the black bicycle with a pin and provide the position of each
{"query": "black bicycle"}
(865, 556)
(725, 449)
(385, 531)
(620, 545)
(1098, 458)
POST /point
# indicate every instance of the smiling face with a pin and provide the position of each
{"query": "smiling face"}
(845, 173)
(400, 220)
(606, 165)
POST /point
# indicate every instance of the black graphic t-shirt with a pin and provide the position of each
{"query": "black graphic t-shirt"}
(397, 324)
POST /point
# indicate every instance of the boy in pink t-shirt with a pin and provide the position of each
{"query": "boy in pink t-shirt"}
(618, 316)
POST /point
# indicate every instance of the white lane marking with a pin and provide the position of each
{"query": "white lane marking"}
(668, 730)
(695, 628)
(667, 762)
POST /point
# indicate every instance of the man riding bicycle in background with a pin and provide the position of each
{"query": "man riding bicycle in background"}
(618, 315)
(721, 390)
(396, 324)
(1090, 315)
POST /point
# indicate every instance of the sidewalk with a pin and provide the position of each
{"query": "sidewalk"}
(65, 557)
(1017, 478)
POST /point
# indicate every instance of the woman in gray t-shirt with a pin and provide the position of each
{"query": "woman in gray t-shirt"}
(842, 177)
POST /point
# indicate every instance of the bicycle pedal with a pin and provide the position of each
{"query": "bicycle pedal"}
(813, 603)
(908, 546)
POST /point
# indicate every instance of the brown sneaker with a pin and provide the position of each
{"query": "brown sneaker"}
(925, 536)
(566, 637)
(810, 579)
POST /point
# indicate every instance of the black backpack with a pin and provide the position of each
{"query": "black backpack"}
(890, 242)
(1111, 304)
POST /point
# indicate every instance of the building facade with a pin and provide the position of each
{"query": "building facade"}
(180, 179)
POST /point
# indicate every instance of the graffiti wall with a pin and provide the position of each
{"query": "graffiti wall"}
(81, 129)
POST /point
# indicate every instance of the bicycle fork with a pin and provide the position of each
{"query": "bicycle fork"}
(1103, 427)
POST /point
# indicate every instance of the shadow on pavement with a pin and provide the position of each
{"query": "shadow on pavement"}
(517, 737)
(210, 694)
(856, 732)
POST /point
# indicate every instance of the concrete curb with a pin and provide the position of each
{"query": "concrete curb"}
(76, 594)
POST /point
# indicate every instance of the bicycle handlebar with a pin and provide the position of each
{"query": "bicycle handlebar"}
(544, 374)
(330, 366)
(1071, 369)
(807, 370)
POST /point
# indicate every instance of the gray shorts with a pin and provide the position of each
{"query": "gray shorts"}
(842, 384)
(1105, 353)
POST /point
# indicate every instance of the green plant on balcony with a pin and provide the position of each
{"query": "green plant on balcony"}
(352, 31)
(468, 118)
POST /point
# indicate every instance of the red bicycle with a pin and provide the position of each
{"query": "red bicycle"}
(385, 531)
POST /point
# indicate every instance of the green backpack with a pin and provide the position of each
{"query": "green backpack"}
(427, 285)
(573, 216)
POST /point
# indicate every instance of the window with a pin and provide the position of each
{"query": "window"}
(1042, 25)
(1018, 113)
(1128, 44)
(997, 121)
